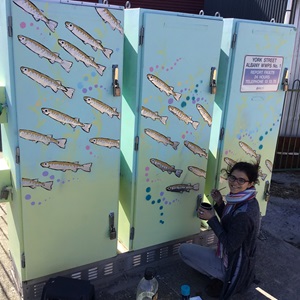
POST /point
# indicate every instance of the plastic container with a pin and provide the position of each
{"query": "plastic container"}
(147, 288)
(185, 292)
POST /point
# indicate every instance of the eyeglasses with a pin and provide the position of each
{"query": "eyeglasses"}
(232, 178)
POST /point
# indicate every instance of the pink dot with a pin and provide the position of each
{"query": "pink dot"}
(167, 70)
(87, 147)
(146, 174)
(183, 136)
(31, 24)
(162, 67)
(151, 69)
(91, 152)
(147, 179)
(157, 66)
(23, 25)
(147, 168)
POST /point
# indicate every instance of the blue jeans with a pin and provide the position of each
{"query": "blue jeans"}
(202, 259)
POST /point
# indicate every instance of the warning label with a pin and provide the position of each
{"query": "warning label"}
(261, 73)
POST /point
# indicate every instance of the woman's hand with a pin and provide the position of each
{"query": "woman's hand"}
(217, 197)
(205, 214)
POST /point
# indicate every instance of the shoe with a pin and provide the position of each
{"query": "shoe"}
(214, 288)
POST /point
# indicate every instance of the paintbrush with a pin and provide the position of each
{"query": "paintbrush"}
(224, 187)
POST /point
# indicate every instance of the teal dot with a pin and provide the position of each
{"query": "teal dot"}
(193, 98)
(197, 85)
(162, 214)
(148, 197)
(159, 200)
(260, 147)
(187, 98)
(153, 202)
(183, 104)
(161, 222)
(148, 189)
(161, 207)
(271, 129)
(266, 132)
(261, 138)
(196, 91)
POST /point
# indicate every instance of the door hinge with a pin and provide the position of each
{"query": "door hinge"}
(233, 40)
(9, 26)
(141, 37)
(221, 136)
(136, 143)
(17, 155)
(131, 233)
(23, 260)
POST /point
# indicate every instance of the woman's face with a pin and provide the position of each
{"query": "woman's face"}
(235, 182)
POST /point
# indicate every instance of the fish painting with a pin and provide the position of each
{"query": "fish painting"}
(102, 107)
(165, 167)
(195, 149)
(248, 150)
(163, 87)
(160, 138)
(45, 81)
(182, 116)
(66, 166)
(262, 175)
(230, 162)
(36, 137)
(147, 113)
(180, 188)
(197, 171)
(65, 119)
(87, 39)
(105, 142)
(109, 18)
(36, 13)
(44, 52)
(34, 183)
(79, 55)
(269, 165)
(205, 115)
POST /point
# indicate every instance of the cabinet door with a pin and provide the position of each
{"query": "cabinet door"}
(68, 119)
(175, 108)
(254, 99)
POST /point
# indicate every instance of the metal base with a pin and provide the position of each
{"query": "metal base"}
(101, 273)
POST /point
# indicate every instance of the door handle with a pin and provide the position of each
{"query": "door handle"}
(115, 84)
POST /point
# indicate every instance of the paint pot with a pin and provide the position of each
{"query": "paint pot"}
(206, 205)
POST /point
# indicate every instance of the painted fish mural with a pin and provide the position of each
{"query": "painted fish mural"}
(205, 115)
(45, 81)
(102, 107)
(81, 56)
(147, 113)
(248, 150)
(36, 13)
(182, 116)
(34, 136)
(195, 149)
(161, 138)
(165, 167)
(269, 165)
(34, 183)
(86, 38)
(109, 18)
(197, 171)
(105, 142)
(180, 188)
(163, 87)
(65, 119)
(230, 162)
(262, 175)
(66, 166)
(44, 52)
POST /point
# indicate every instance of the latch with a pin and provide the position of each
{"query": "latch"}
(4, 194)
(116, 86)
(267, 191)
(112, 229)
(213, 80)
(285, 80)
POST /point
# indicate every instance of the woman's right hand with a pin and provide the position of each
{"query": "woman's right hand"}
(216, 195)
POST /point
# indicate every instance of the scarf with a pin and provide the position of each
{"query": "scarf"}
(233, 200)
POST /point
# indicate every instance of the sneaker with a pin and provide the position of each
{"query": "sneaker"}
(214, 288)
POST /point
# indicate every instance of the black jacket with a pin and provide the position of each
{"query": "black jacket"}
(238, 231)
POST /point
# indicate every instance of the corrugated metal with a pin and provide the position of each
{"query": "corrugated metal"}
(262, 10)
(185, 6)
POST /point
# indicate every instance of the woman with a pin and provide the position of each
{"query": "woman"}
(232, 265)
